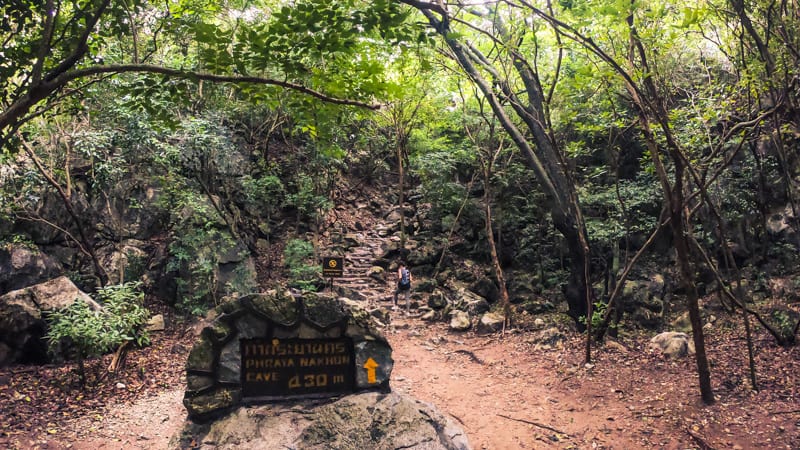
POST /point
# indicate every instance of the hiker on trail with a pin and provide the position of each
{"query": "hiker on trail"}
(403, 285)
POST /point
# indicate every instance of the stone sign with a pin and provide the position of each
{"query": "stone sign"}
(279, 345)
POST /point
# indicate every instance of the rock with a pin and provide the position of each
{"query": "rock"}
(394, 217)
(437, 300)
(460, 321)
(486, 288)
(644, 301)
(425, 254)
(673, 344)
(470, 302)
(536, 306)
(430, 316)
(490, 323)
(682, 323)
(382, 315)
(376, 273)
(426, 285)
(351, 240)
(361, 421)
(156, 323)
(548, 339)
(21, 321)
(539, 323)
(22, 266)
(614, 345)
(124, 262)
(780, 222)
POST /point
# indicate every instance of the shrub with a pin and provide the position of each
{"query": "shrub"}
(298, 258)
(80, 332)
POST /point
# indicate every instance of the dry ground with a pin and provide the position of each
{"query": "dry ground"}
(507, 394)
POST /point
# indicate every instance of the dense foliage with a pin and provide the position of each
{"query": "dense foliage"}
(574, 145)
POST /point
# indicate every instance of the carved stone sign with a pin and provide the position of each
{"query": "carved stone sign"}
(296, 367)
(280, 345)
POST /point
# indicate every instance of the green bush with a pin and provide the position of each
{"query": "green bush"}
(298, 259)
(80, 332)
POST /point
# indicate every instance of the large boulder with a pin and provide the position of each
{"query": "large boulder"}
(368, 420)
(22, 266)
(471, 302)
(22, 324)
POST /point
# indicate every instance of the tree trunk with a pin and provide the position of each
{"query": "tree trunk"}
(543, 157)
(401, 201)
(498, 270)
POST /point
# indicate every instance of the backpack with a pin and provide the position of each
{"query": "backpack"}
(405, 277)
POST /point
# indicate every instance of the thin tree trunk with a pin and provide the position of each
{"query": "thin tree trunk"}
(543, 158)
(401, 201)
(498, 270)
(67, 202)
(453, 227)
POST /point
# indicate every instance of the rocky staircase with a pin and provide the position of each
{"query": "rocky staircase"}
(363, 242)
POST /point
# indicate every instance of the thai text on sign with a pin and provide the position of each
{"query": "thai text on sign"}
(296, 367)
(332, 266)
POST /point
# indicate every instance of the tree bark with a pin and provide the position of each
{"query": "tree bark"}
(543, 158)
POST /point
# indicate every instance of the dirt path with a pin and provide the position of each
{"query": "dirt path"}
(509, 394)
(499, 391)
(496, 388)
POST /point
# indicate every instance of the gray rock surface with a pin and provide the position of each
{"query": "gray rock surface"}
(22, 324)
(365, 421)
(460, 321)
(672, 344)
(22, 266)
(490, 323)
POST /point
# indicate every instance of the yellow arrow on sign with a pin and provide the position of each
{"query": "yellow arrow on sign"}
(371, 365)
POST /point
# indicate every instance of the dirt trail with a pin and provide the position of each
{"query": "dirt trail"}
(499, 391)
(510, 395)
(495, 387)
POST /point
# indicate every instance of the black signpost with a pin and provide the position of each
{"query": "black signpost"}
(274, 368)
(332, 266)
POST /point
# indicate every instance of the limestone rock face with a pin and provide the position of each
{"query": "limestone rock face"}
(21, 323)
(368, 420)
(644, 301)
(21, 267)
(285, 328)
